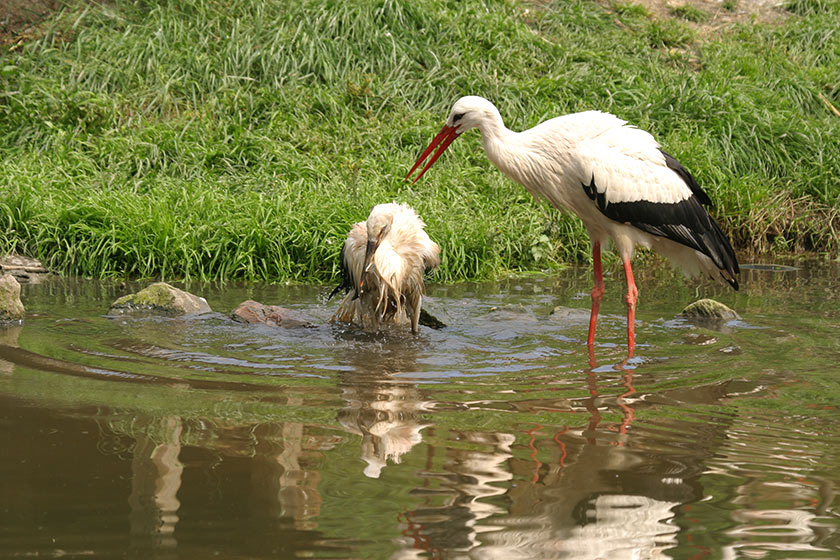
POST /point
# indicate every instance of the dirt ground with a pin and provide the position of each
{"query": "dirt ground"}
(19, 16)
(721, 13)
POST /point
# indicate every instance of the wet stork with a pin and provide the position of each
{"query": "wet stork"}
(383, 263)
(614, 177)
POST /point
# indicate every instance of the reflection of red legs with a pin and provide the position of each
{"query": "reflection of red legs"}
(533, 448)
(632, 296)
(628, 414)
(562, 445)
(597, 292)
(414, 531)
(592, 363)
(592, 406)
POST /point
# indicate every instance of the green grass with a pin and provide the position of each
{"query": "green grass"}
(689, 12)
(240, 139)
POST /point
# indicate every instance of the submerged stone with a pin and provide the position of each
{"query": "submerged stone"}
(11, 308)
(161, 298)
(709, 309)
(569, 315)
(254, 312)
(510, 312)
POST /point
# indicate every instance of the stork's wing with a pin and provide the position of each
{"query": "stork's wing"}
(352, 259)
(346, 283)
(420, 256)
(411, 241)
(627, 165)
(431, 258)
(632, 181)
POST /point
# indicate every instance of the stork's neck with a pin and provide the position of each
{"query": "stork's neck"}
(508, 151)
(498, 140)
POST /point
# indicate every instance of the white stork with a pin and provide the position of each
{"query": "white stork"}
(614, 177)
(383, 262)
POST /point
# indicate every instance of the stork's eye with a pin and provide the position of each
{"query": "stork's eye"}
(458, 117)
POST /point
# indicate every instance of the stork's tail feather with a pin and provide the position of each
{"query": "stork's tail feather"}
(719, 249)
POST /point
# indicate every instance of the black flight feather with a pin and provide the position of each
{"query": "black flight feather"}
(346, 283)
(685, 222)
(688, 178)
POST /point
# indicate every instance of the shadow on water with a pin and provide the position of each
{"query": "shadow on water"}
(499, 436)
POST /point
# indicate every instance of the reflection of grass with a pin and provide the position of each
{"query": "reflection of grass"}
(241, 139)
(61, 391)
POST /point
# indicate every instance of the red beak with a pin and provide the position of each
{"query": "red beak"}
(445, 137)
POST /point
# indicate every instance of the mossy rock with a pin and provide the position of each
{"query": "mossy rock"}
(709, 309)
(161, 298)
(11, 308)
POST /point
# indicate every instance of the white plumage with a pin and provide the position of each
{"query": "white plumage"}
(383, 262)
(614, 177)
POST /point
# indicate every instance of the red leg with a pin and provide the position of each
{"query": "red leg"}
(632, 296)
(597, 292)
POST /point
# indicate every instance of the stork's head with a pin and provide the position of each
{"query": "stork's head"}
(468, 112)
(378, 227)
(471, 112)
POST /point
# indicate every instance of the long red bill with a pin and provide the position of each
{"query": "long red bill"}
(445, 137)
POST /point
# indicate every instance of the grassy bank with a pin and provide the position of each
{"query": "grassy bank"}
(240, 139)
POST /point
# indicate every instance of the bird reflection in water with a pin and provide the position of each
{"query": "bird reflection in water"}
(156, 479)
(579, 493)
(384, 410)
(579, 502)
(388, 412)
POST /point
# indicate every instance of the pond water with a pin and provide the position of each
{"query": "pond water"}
(498, 436)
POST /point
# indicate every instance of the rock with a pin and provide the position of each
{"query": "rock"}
(510, 312)
(11, 308)
(161, 298)
(254, 312)
(429, 320)
(569, 315)
(24, 269)
(709, 309)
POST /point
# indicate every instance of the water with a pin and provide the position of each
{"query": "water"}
(496, 437)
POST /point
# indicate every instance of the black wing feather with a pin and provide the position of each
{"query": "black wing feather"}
(688, 178)
(346, 280)
(685, 222)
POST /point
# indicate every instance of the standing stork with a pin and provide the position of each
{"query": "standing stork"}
(614, 177)
(383, 262)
